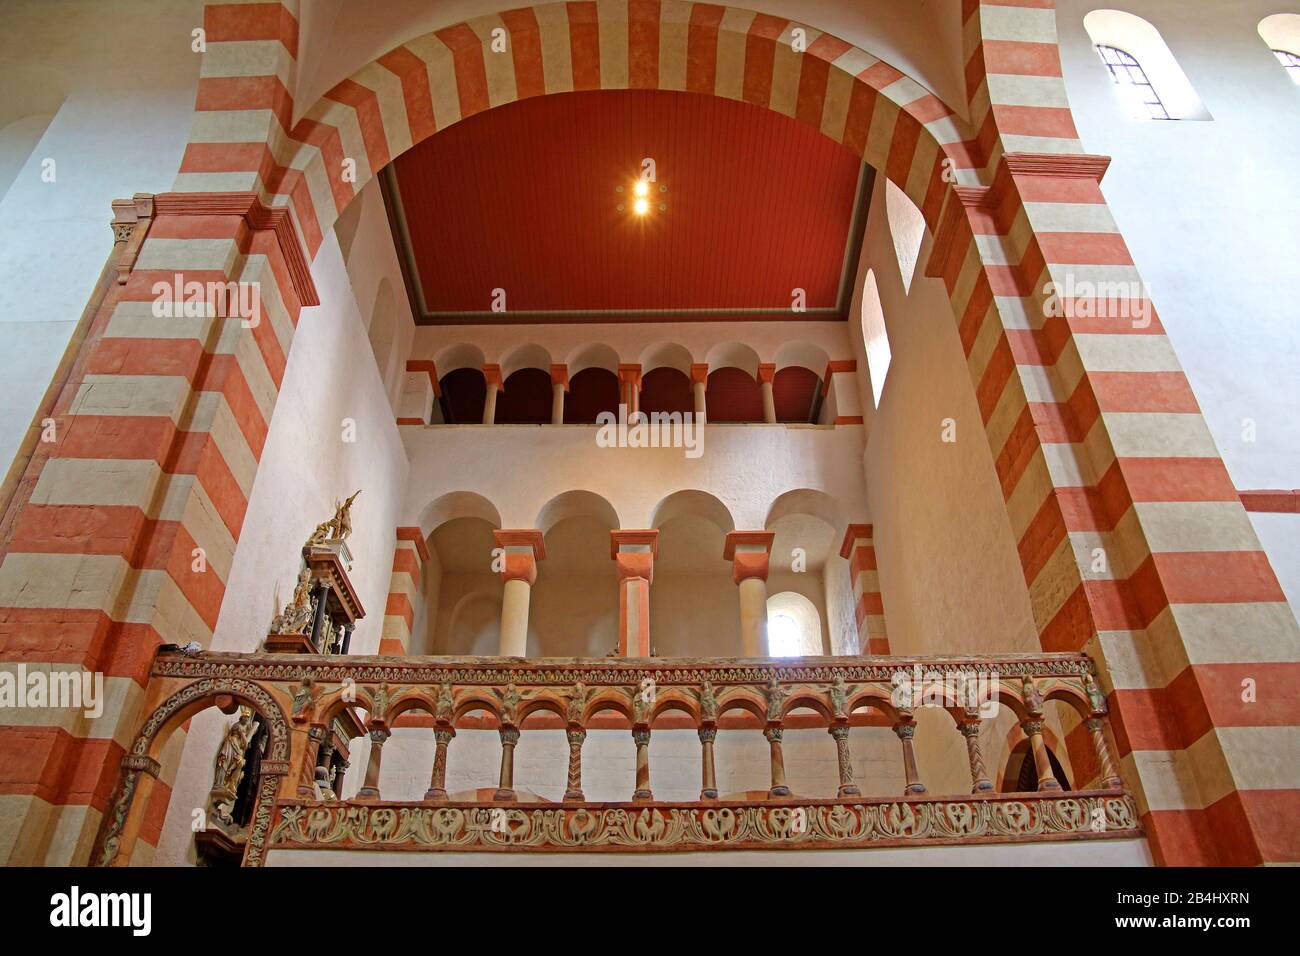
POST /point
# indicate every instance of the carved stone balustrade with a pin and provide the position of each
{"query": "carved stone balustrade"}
(298, 696)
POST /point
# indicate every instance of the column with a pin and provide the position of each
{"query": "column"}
(709, 785)
(641, 736)
(905, 729)
(559, 385)
(778, 788)
(629, 387)
(438, 779)
(1034, 731)
(506, 786)
(310, 761)
(522, 548)
(634, 552)
(841, 734)
(979, 775)
(318, 622)
(573, 788)
(748, 552)
(699, 382)
(370, 786)
(766, 376)
(491, 378)
(1109, 777)
(859, 550)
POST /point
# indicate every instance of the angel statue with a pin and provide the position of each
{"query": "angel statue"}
(337, 528)
(297, 615)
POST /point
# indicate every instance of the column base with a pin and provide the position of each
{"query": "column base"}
(642, 795)
(984, 786)
(852, 790)
(574, 796)
(1113, 783)
(1048, 785)
(708, 794)
(367, 793)
(782, 791)
(914, 788)
(435, 795)
(504, 796)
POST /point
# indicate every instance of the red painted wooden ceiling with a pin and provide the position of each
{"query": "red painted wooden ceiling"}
(523, 198)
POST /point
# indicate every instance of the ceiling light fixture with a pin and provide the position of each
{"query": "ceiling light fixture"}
(642, 188)
(641, 207)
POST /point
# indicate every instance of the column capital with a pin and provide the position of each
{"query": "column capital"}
(492, 376)
(629, 373)
(634, 551)
(560, 376)
(834, 368)
(699, 373)
(524, 547)
(766, 372)
(748, 552)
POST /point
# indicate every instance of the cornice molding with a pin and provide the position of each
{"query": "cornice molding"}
(260, 218)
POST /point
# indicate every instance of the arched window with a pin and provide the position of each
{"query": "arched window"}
(1143, 67)
(1127, 72)
(1281, 32)
(1292, 63)
(794, 628)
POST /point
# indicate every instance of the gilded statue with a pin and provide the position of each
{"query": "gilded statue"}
(337, 528)
(229, 767)
(296, 618)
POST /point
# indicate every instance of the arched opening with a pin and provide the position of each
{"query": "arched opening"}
(591, 392)
(1021, 773)
(694, 604)
(666, 390)
(1281, 32)
(462, 588)
(797, 394)
(875, 337)
(1143, 68)
(733, 395)
(794, 628)
(525, 399)
(464, 392)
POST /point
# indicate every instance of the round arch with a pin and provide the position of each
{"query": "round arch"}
(457, 504)
(433, 80)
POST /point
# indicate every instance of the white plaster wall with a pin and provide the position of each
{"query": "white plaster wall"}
(950, 576)
(1208, 210)
(306, 465)
(519, 468)
(122, 78)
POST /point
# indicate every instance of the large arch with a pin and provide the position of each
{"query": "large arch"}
(1087, 412)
